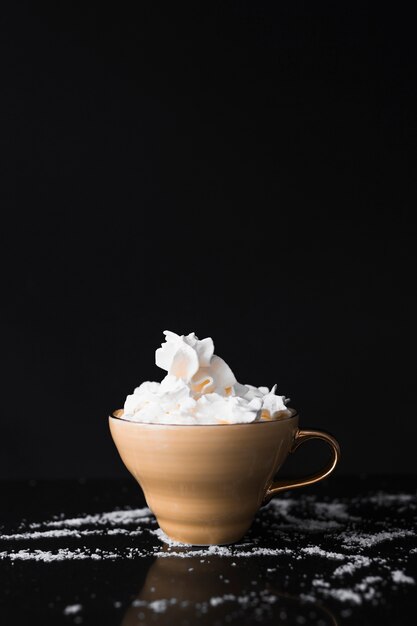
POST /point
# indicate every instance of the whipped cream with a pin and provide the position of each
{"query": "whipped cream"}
(199, 388)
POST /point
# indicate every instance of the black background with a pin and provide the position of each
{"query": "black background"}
(242, 170)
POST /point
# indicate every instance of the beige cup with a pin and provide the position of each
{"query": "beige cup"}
(205, 483)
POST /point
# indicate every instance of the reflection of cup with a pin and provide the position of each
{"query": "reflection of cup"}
(205, 483)
(191, 590)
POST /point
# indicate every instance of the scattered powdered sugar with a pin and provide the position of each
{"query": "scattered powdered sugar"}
(399, 577)
(368, 587)
(388, 499)
(157, 606)
(245, 599)
(316, 551)
(366, 540)
(67, 532)
(62, 554)
(355, 563)
(225, 551)
(45, 534)
(336, 545)
(112, 518)
(324, 515)
(333, 511)
(268, 552)
(365, 590)
(343, 595)
(259, 601)
(369, 580)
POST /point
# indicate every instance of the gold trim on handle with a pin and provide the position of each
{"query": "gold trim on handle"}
(301, 437)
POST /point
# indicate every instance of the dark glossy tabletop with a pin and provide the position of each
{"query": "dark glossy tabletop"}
(89, 552)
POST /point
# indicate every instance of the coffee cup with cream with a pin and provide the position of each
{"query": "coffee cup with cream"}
(206, 449)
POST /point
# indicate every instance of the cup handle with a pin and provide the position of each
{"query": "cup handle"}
(301, 437)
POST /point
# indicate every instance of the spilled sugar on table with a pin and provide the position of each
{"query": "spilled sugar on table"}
(90, 552)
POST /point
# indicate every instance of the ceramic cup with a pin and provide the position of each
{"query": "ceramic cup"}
(205, 483)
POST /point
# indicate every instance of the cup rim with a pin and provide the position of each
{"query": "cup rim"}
(294, 414)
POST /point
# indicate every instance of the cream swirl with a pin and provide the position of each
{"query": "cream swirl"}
(199, 388)
(194, 361)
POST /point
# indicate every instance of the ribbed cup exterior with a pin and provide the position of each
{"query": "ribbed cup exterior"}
(204, 483)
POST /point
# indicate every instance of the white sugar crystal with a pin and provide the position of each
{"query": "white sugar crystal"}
(317, 551)
(366, 540)
(344, 595)
(399, 577)
(72, 609)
